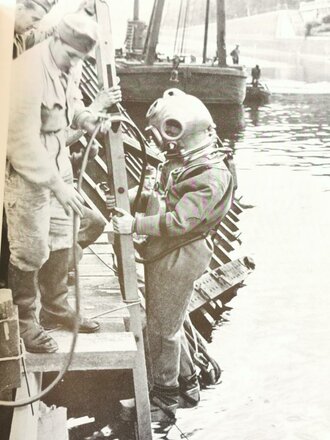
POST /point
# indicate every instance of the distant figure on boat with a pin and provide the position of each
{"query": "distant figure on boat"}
(175, 73)
(308, 29)
(255, 73)
(176, 61)
(235, 54)
(158, 57)
(192, 59)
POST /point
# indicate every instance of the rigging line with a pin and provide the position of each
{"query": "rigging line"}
(182, 24)
(177, 28)
(185, 25)
(152, 16)
(206, 30)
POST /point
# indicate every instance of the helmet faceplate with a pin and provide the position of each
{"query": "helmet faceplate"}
(180, 122)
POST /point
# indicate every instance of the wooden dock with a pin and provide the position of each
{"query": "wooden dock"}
(113, 347)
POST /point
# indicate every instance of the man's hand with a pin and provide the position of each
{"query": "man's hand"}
(106, 98)
(91, 121)
(69, 198)
(123, 222)
(110, 202)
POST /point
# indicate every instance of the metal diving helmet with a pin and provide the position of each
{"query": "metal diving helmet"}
(180, 124)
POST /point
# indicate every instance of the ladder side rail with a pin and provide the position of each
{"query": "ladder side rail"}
(115, 158)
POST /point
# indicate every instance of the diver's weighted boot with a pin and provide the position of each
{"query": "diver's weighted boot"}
(189, 396)
(164, 402)
(55, 308)
(23, 286)
(163, 405)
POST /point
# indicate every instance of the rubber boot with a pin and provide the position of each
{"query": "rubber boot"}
(55, 308)
(23, 286)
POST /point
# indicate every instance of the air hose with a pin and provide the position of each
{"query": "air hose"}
(65, 367)
(123, 117)
(170, 250)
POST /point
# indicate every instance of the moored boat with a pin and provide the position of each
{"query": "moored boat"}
(211, 84)
(215, 83)
(257, 94)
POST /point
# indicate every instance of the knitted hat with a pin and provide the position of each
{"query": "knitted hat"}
(44, 4)
(78, 31)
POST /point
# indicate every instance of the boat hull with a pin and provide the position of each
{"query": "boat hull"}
(211, 84)
(259, 94)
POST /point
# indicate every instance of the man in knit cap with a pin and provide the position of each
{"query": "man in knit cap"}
(27, 34)
(27, 15)
(39, 193)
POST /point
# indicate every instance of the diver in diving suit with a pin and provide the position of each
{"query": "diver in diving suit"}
(193, 192)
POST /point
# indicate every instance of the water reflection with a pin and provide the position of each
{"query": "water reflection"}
(230, 120)
(253, 112)
(291, 131)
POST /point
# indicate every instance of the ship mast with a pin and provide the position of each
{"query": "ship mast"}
(136, 10)
(154, 27)
(154, 32)
(221, 33)
(206, 30)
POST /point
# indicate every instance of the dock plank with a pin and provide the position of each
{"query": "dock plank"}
(105, 260)
(97, 269)
(96, 351)
(102, 248)
(100, 285)
(99, 294)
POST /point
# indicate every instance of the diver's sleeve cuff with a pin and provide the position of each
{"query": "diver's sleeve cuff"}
(147, 225)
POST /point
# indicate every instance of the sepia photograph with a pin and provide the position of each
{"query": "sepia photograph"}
(165, 219)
